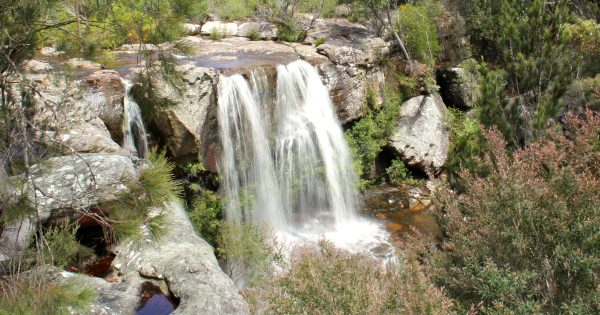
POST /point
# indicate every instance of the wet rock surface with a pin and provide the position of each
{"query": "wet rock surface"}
(404, 210)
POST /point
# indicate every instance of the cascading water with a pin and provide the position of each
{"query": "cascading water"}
(290, 167)
(135, 138)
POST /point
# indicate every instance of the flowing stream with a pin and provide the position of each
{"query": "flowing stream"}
(289, 166)
(135, 138)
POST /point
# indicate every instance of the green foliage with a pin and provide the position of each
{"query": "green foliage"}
(524, 239)
(583, 94)
(467, 145)
(319, 41)
(419, 32)
(248, 250)
(367, 137)
(481, 22)
(234, 9)
(206, 215)
(154, 186)
(583, 37)
(254, 34)
(216, 34)
(61, 247)
(332, 281)
(194, 10)
(35, 295)
(537, 62)
(398, 173)
(291, 32)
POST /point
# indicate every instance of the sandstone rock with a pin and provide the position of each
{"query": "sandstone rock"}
(51, 51)
(105, 98)
(347, 42)
(80, 63)
(458, 87)
(187, 264)
(191, 29)
(180, 258)
(343, 10)
(226, 29)
(264, 29)
(422, 135)
(135, 48)
(63, 185)
(188, 128)
(349, 86)
(88, 137)
(36, 66)
(344, 54)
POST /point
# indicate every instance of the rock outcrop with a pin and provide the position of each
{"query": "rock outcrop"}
(458, 87)
(180, 258)
(190, 127)
(63, 186)
(263, 30)
(104, 97)
(422, 135)
(222, 28)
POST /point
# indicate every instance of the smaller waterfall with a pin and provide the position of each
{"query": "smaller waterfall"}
(135, 138)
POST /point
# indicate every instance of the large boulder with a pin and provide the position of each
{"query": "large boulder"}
(186, 262)
(87, 137)
(189, 128)
(63, 186)
(347, 43)
(104, 96)
(179, 259)
(422, 135)
(78, 181)
(225, 29)
(459, 88)
(349, 87)
(264, 30)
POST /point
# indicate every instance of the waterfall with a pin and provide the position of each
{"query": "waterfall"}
(288, 167)
(135, 138)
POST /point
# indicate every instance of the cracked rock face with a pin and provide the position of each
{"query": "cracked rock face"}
(63, 186)
(180, 258)
(422, 135)
(189, 127)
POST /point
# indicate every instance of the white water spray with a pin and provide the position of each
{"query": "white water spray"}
(291, 170)
(135, 138)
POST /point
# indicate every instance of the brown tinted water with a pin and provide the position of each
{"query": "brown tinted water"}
(402, 216)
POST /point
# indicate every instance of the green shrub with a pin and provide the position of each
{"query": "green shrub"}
(216, 34)
(332, 281)
(61, 247)
(234, 9)
(206, 215)
(583, 94)
(36, 295)
(254, 34)
(319, 41)
(525, 238)
(291, 32)
(154, 186)
(467, 145)
(249, 251)
(194, 10)
(367, 137)
(419, 32)
(398, 173)
(583, 37)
